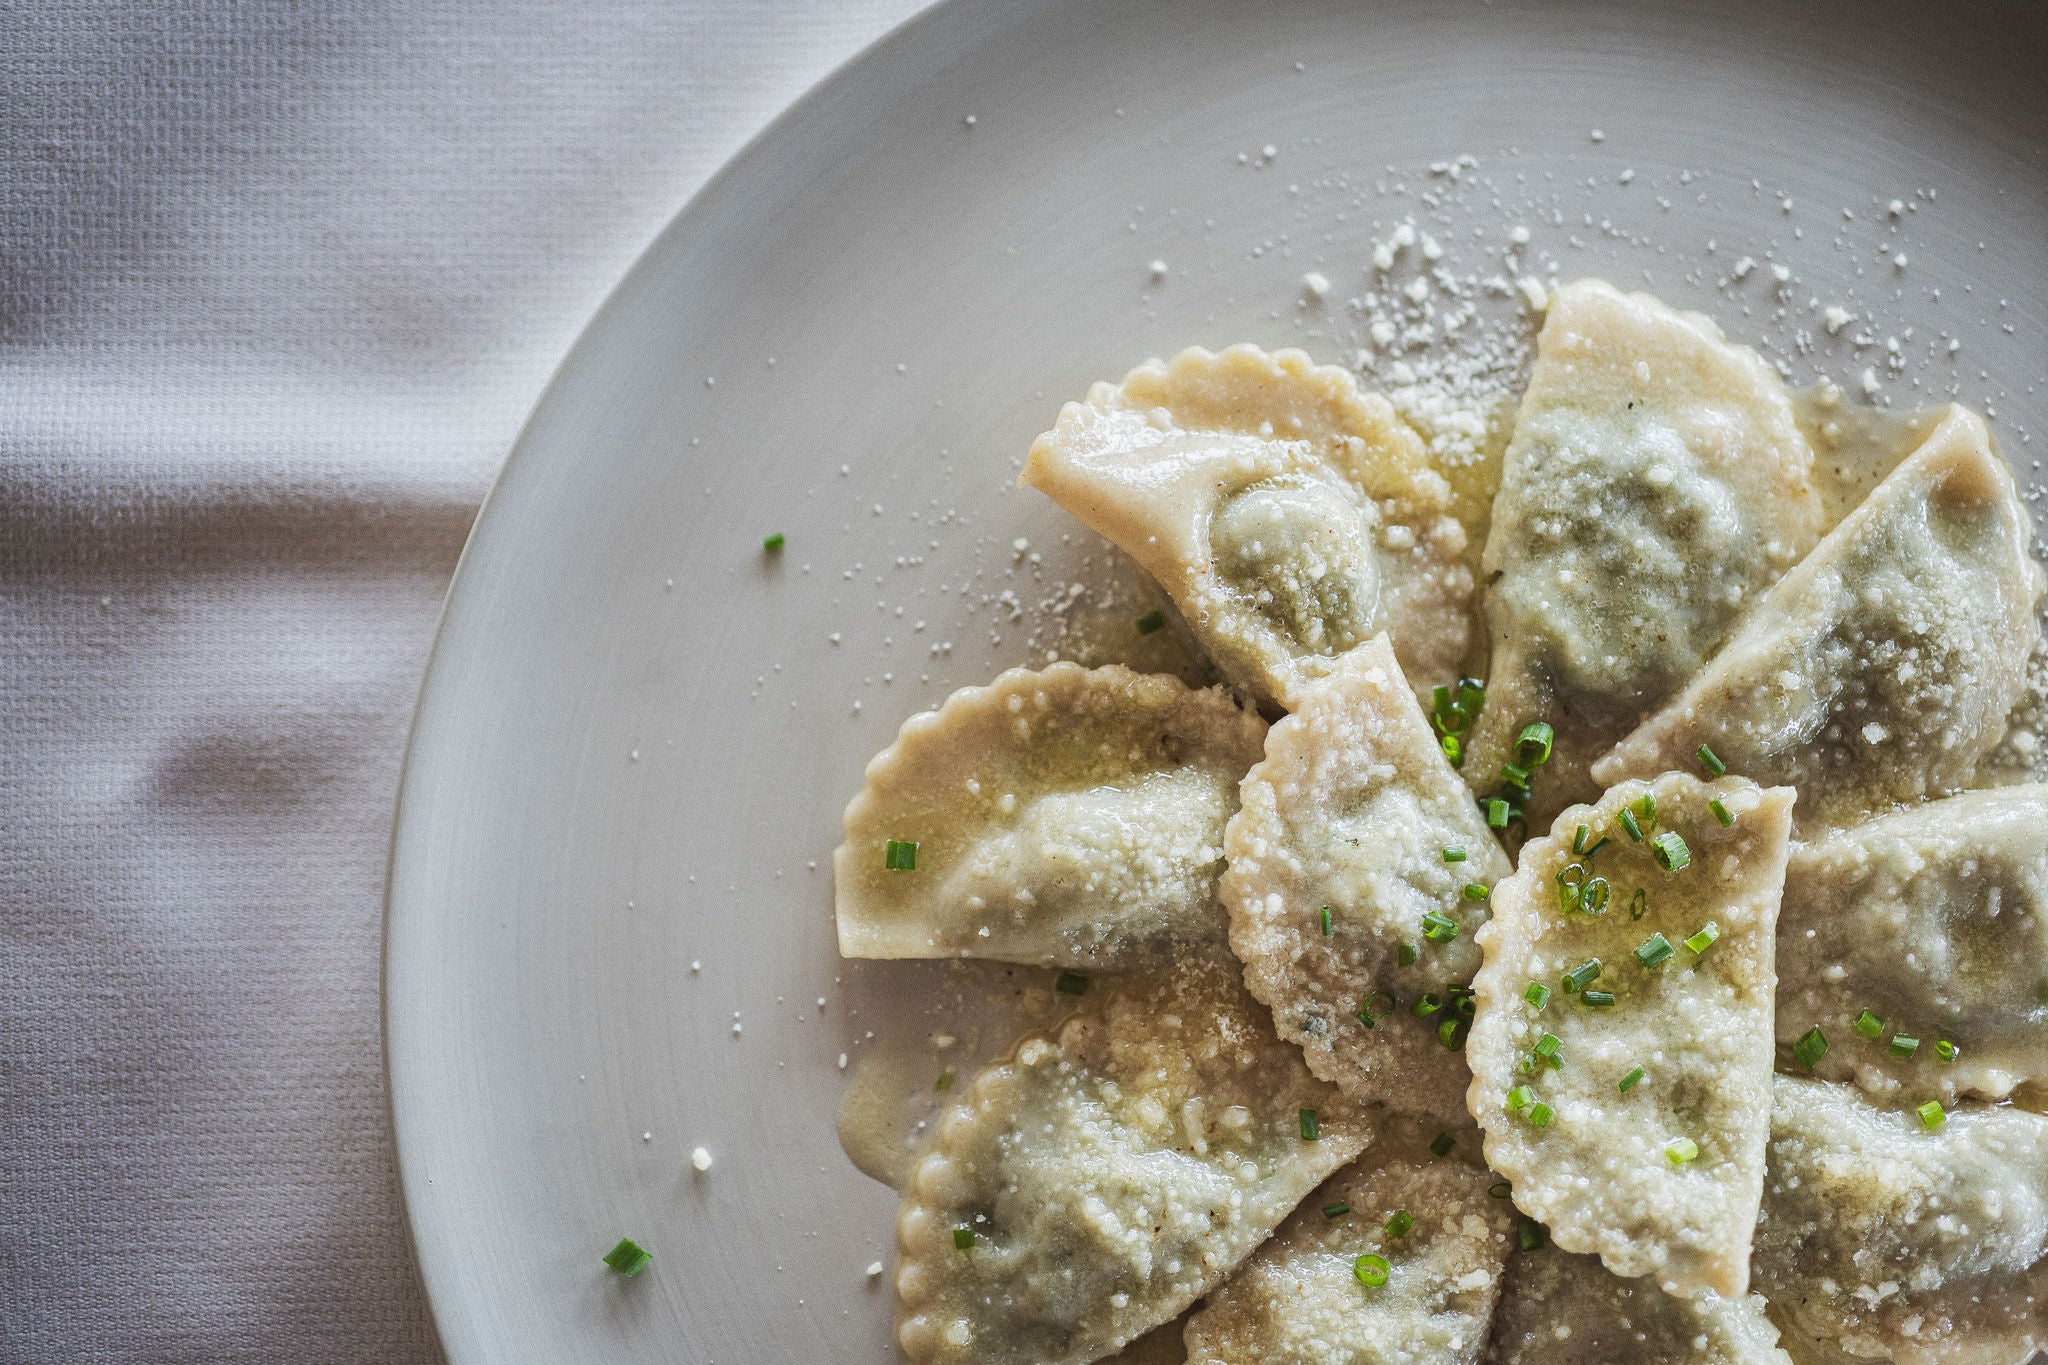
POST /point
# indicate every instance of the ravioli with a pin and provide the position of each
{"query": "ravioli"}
(1657, 482)
(1662, 1178)
(1069, 817)
(1288, 515)
(1299, 1300)
(1100, 1180)
(1351, 815)
(1930, 925)
(1561, 1309)
(1882, 668)
(1883, 1240)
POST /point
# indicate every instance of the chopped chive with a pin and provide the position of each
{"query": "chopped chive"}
(963, 1238)
(1540, 1114)
(1530, 1236)
(1532, 746)
(1438, 927)
(1440, 702)
(1630, 1081)
(1500, 1189)
(1471, 695)
(1406, 954)
(1452, 1032)
(1869, 1025)
(1453, 854)
(1327, 927)
(1462, 1001)
(1400, 1224)
(1579, 838)
(1594, 895)
(945, 1080)
(1369, 1016)
(1639, 904)
(1704, 939)
(1645, 807)
(1520, 1098)
(1678, 1151)
(1593, 850)
(1721, 812)
(1454, 750)
(1670, 851)
(1628, 823)
(1151, 621)
(1336, 1210)
(1945, 1050)
(1310, 1129)
(900, 855)
(1710, 761)
(1932, 1115)
(1537, 994)
(1426, 1004)
(1371, 1270)
(1582, 976)
(774, 542)
(1902, 1046)
(1072, 983)
(1514, 774)
(1599, 1000)
(1810, 1048)
(1496, 813)
(628, 1258)
(1475, 891)
(1548, 1045)
(1442, 1143)
(1655, 951)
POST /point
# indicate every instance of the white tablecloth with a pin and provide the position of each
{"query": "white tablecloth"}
(278, 283)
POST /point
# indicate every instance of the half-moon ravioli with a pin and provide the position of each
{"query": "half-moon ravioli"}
(1099, 1181)
(1621, 1051)
(1288, 515)
(1933, 921)
(1069, 817)
(1349, 862)
(1299, 1300)
(1657, 482)
(1882, 668)
(1560, 1309)
(1887, 1235)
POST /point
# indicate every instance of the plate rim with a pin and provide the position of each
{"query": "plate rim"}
(701, 203)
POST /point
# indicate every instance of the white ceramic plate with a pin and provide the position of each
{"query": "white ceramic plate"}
(638, 731)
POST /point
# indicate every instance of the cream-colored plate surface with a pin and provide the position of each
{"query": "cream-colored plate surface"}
(638, 732)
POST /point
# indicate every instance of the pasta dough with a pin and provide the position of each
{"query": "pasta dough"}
(1882, 669)
(1660, 1179)
(1099, 1181)
(1300, 1302)
(1350, 815)
(1561, 1309)
(1656, 484)
(1070, 817)
(1934, 920)
(1289, 516)
(1885, 1241)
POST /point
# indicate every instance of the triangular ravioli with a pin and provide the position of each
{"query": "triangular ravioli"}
(1069, 817)
(1882, 668)
(1930, 926)
(1288, 515)
(1299, 1301)
(1561, 1309)
(1656, 484)
(1653, 953)
(1340, 861)
(1100, 1180)
(1892, 1235)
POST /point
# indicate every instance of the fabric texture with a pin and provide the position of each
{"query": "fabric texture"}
(278, 284)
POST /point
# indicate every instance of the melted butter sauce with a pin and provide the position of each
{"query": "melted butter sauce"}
(1854, 445)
